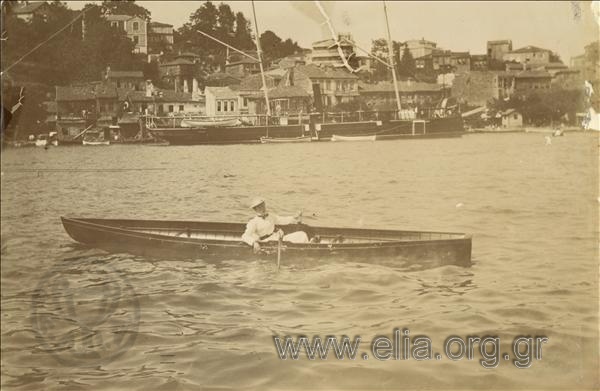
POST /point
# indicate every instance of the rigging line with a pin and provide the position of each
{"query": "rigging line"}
(335, 37)
(229, 46)
(373, 56)
(81, 169)
(45, 41)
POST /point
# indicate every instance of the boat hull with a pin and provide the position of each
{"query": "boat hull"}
(273, 140)
(136, 237)
(389, 130)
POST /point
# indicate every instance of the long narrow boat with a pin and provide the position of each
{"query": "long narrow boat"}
(336, 137)
(96, 143)
(212, 240)
(276, 140)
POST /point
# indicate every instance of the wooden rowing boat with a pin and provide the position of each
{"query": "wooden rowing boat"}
(212, 240)
(96, 143)
(336, 137)
(276, 140)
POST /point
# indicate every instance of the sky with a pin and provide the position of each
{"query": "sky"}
(561, 26)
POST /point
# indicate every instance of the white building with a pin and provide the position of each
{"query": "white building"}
(135, 27)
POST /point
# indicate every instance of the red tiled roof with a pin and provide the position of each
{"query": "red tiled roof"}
(244, 60)
(254, 82)
(222, 92)
(314, 72)
(220, 76)
(530, 49)
(89, 91)
(288, 92)
(128, 74)
(159, 24)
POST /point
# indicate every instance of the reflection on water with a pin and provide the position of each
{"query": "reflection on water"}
(70, 313)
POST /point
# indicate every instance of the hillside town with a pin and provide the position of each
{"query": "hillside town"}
(171, 75)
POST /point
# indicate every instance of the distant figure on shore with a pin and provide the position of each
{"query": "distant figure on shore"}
(263, 227)
(548, 140)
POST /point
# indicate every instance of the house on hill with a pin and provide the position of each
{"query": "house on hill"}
(160, 37)
(335, 85)
(81, 105)
(27, 11)
(135, 27)
(242, 67)
(382, 95)
(133, 80)
(529, 54)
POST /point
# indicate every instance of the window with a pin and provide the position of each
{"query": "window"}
(224, 105)
(136, 26)
(516, 116)
(245, 102)
(181, 108)
(219, 106)
(171, 108)
(122, 25)
(136, 39)
(231, 105)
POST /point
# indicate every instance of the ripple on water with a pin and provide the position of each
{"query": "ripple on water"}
(210, 325)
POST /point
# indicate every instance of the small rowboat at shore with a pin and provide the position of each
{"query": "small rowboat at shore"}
(95, 143)
(275, 140)
(335, 137)
(212, 240)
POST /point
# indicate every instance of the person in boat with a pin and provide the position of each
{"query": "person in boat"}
(264, 227)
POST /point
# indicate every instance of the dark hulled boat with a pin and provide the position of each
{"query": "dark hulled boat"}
(451, 126)
(212, 240)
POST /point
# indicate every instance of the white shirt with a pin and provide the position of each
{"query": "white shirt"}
(259, 227)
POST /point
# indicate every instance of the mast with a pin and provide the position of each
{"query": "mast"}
(391, 56)
(262, 71)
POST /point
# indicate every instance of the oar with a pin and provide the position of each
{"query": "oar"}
(280, 236)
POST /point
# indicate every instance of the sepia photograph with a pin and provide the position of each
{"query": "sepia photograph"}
(299, 195)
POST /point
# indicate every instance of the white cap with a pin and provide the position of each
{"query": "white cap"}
(256, 202)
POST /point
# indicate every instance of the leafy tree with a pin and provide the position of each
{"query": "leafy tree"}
(274, 47)
(270, 44)
(407, 66)
(205, 18)
(125, 7)
(226, 20)
(544, 107)
(379, 49)
(243, 33)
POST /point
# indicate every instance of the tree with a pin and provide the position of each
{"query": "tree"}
(226, 22)
(125, 7)
(543, 107)
(407, 66)
(205, 18)
(270, 44)
(243, 34)
(379, 49)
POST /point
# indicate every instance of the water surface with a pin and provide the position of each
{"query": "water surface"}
(532, 209)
